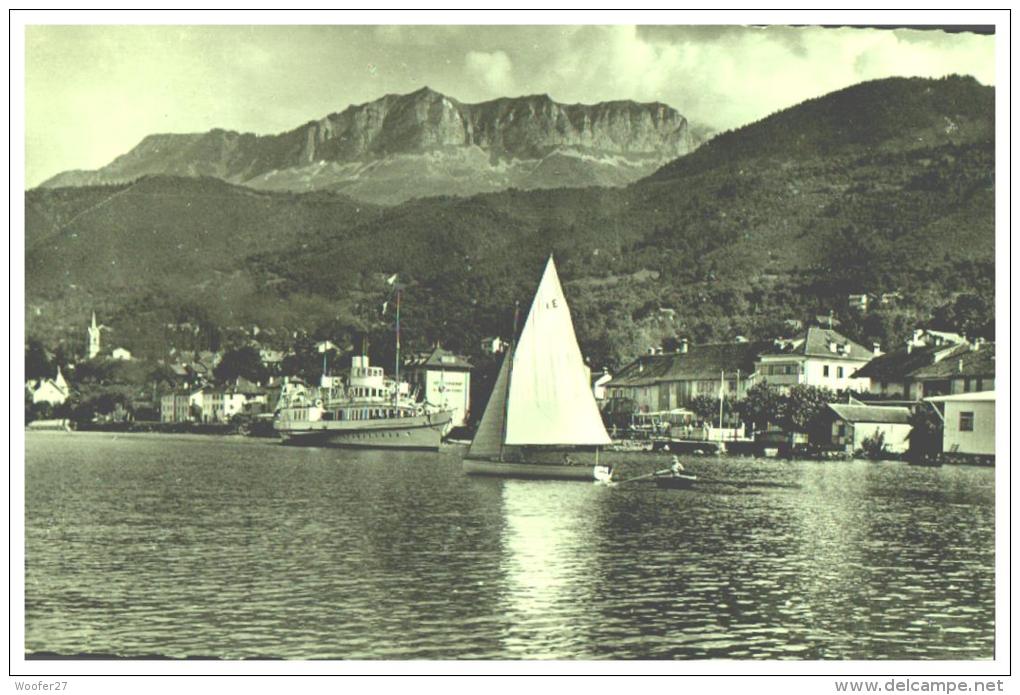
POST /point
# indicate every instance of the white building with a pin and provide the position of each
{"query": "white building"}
(53, 391)
(968, 423)
(493, 345)
(855, 422)
(121, 354)
(818, 357)
(175, 407)
(445, 380)
(598, 384)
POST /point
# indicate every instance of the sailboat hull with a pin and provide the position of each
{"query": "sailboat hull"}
(534, 471)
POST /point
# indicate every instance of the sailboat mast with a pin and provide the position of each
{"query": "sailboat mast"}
(509, 376)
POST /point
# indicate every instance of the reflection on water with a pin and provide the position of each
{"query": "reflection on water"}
(238, 548)
(546, 558)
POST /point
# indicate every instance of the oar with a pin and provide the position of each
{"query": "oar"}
(643, 477)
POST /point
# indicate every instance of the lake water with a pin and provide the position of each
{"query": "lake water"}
(228, 547)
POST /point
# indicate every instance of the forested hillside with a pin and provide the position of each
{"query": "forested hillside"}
(885, 187)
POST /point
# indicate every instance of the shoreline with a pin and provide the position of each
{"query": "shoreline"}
(191, 436)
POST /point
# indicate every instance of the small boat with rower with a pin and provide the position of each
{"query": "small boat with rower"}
(673, 481)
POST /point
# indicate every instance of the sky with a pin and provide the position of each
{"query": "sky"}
(93, 92)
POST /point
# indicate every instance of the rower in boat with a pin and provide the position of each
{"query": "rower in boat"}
(677, 469)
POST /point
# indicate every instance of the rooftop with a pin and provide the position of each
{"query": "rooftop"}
(973, 397)
(900, 363)
(963, 362)
(816, 342)
(440, 358)
(893, 415)
(701, 362)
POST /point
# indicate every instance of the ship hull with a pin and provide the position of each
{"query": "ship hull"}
(534, 471)
(420, 432)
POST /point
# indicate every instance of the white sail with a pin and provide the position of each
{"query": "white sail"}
(488, 441)
(550, 401)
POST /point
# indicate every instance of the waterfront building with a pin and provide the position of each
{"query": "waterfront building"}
(967, 369)
(667, 381)
(895, 374)
(819, 357)
(54, 391)
(211, 402)
(443, 379)
(218, 404)
(968, 423)
(852, 423)
(175, 406)
(598, 384)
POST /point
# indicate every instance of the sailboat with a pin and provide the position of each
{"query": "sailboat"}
(541, 420)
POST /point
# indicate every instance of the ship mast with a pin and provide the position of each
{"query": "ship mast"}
(396, 370)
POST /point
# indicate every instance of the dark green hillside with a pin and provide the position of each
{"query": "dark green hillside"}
(864, 190)
(891, 114)
(175, 248)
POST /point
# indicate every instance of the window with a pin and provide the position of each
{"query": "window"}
(825, 370)
(966, 421)
(839, 372)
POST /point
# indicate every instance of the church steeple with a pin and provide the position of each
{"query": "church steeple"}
(93, 331)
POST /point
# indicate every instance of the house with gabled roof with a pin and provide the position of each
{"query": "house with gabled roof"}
(819, 357)
(854, 422)
(893, 374)
(444, 379)
(53, 391)
(967, 369)
(667, 381)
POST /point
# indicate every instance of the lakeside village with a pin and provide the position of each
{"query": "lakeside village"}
(819, 394)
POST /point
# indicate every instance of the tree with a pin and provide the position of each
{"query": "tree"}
(303, 361)
(38, 362)
(617, 412)
(970, 314)
(806, 407)
(706, 407)
(762, 405)
(241, 362)
(874, 446)
(925, 433)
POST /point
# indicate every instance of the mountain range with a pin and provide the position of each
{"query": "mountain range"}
(886, 186)
(421, 144)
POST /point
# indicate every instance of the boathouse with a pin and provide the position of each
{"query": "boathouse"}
(855, 422)
(968, 426)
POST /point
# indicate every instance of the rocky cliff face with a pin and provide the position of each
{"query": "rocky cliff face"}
(378, 150)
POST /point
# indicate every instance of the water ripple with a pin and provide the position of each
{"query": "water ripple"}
(240, 549)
